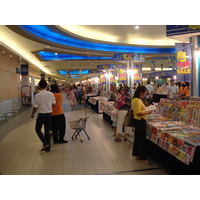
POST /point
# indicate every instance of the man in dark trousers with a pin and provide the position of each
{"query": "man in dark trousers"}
(43, 103)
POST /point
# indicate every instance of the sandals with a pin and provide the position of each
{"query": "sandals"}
(125, 139)
(117, 140)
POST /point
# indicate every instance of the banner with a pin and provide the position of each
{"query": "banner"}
(24, 70)
(129, 56)
(152, 65)
(122, 74)
(138, 72)
(170, 61)
(184, 61)
(102, 79)
(107, 66)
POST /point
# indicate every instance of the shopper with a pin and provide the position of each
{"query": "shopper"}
(150, 89)
(172, 90)
(72, 96)
(43, 104)
(122, 114)
(58, 121)
(139, 146)
(181, 90)
(186, 91)
(80, 93)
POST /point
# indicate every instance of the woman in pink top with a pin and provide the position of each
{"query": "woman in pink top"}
(72, 96)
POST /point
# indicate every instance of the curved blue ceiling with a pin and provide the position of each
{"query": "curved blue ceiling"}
(52, 56)
(46, 33)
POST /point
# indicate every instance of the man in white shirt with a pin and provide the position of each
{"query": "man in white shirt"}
(172, 89)
(150, 89)
(43, 104)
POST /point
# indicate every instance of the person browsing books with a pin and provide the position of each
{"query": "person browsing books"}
(139, 146)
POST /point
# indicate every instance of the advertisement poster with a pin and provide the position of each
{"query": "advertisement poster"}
(122, 74)
(152, 65)
(138, 72)
(183, 62)
(102, 79)
(129, 56)
(170, 61)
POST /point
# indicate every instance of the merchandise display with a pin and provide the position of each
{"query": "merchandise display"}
(96, 103)
(175, 128)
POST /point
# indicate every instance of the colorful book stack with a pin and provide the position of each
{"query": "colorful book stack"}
(175, 137)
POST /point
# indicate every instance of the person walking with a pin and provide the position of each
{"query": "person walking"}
(43, 104)
(72, 96)
(58, 121)
(139, 146)
(122, 114)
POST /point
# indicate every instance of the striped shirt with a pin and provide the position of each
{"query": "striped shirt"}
(128, 99)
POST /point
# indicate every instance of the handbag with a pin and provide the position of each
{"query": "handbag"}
(121, 101)
(129, 120)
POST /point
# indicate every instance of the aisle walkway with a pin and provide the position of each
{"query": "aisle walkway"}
(20, 150)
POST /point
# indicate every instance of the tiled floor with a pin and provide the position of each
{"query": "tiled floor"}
(20, 150)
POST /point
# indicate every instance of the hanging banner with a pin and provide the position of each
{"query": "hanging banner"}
(138, 72)
(152, 65)
(102, 79)
(184, 61)
(129, 56)
(170, 61)
(25, 75)
(139, 57)
(107, 66)
(122, 74)
(112, 79)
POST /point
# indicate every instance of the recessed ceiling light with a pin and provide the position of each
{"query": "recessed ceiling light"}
(11, 56)
(137, 27)
(56, 54)
(47, 46)
(3, 51)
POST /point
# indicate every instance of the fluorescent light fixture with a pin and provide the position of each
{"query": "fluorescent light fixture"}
(137, 27)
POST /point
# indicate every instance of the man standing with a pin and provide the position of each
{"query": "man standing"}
(150, 89)
(172, 89)
(43, 104)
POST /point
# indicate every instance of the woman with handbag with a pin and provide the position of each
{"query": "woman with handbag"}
(139, 146)
(125, 106)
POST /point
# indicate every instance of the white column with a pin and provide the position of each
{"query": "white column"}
(195, 71)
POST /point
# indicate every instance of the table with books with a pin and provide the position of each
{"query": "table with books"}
(95, 103)
(173, 136)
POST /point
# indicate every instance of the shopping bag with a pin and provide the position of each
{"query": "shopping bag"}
(129, 121)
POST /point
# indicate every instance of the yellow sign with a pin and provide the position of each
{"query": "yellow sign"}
(127, 56)
(183, 71)
(181, 56)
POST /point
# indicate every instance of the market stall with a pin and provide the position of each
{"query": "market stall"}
(173, 136)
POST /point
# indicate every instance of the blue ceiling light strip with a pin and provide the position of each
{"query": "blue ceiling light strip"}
(52, 56)
(46, 33)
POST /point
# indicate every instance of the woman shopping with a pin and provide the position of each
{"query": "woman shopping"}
(122, 114)
(72, 96)
(58, 121)
(139, 146)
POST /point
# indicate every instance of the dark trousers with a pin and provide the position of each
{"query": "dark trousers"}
(58, 123)
(79, 98)
(139, 146)
(43, 119)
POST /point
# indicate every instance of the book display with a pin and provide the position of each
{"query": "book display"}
(176, 128)
(95, 103)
